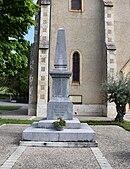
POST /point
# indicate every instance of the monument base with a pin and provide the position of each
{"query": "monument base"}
(70, 124)
(58, 144)
(78, 137)
(59, 107)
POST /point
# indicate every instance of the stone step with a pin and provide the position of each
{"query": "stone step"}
(84, 134)
(66, 144)
(70, 124)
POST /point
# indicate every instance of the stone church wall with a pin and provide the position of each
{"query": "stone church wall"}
(100, 33)
(85, 33)
(122, 31)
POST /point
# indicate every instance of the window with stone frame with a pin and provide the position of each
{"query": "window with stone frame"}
(76, 68)
(76, 4)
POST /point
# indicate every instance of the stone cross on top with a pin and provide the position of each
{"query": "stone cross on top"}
(60, 104)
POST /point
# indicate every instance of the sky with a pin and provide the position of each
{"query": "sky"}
(30, 35)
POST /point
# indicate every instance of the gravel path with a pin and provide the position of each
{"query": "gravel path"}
(114, 142)
(21, 113)
(9, 140)
(57, 158)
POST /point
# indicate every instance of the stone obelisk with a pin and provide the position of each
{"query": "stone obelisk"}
(60, 104)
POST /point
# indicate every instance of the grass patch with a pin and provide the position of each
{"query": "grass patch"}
(99, 122)
(125, 125)
(16, 121)
(10, 108)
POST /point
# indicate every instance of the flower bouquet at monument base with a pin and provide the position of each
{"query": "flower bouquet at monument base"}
(59, 124)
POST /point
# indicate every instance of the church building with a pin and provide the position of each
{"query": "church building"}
(97, 43)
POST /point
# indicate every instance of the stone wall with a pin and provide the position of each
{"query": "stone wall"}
(42, 87)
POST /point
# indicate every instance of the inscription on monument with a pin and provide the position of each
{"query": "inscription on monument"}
(61, 114)
(60, 110)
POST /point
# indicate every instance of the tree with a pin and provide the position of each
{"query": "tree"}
(18, 86)
(15, 20)
(118, 91)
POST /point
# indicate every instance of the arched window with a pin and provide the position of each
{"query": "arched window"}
(76, 4)
(76, 67)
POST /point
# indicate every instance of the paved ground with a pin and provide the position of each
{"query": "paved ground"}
(57, 158)
(9, 140)
(113, 151)
(21, 113)
(114, 143)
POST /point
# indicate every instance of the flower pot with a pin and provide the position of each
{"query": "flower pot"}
(59, 128)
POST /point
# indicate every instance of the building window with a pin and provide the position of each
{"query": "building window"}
(76, 4)
(76, 68)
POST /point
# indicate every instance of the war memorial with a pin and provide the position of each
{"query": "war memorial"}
(43, 133)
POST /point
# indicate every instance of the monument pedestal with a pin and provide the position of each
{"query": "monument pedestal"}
(44, 134)
(74, 135)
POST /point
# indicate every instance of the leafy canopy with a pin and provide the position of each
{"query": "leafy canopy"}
(118, 89)
(18, 85)
(15, 20)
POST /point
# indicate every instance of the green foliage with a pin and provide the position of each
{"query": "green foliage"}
(16, 17)
(59, 122)
(3, 96)
(125, 125)
(99, 122)
(15, 20)
(16, 121)
(118, 89)
(18, 84)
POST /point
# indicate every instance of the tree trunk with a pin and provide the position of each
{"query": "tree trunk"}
(120, 112)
